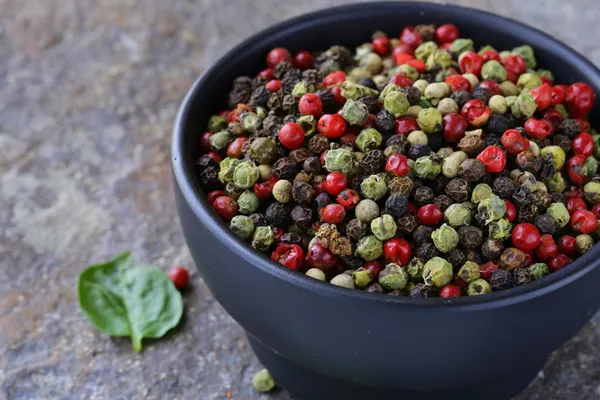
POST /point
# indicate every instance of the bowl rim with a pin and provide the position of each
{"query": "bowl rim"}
(182, 175)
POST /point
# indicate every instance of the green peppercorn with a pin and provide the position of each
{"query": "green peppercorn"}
(461, 45)
(263, 381)
(559, 212)
(355, 112)
(343, 280)
(245, 175)
(430, 120)
(493, 70)
(507, 88)
(538, 270)
(528, 81)
(447, 106)
(368, 139)
(584, 242)
(219, 141)
(425, 49)
(562, 110)
(492, 208)
(409, 71)
(316, 273)
(242, 226)
(437, 91)
(499, 229)
(497, 104)
(417, 137)
(526, 52)
(468, 272)
(351, 90)
(437, 272)
(591, 191)
(481, 192)
(250, 122)
(415, 269)
(522, 106)
(248, 202)
(339, 160)
(478, 286)
(263, 150)
(362, 277)
(308, 123)
(263, 238)
(369, 248)
(366, 210)
(373, 187)
(384, 227)
(457, 215)
(217, 123)
(452, 162)
(282, 191)
(445, 238)
(439, 57)
(228, 166)
(427, 167)
(472, 78)
(371, 62)
(393, 277)
(396, 103)
(556, 183)
(421, 84)
(557, 153)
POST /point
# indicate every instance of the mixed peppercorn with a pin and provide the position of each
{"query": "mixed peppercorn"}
(415, 166)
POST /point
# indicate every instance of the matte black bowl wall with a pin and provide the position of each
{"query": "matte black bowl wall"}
(324, 342)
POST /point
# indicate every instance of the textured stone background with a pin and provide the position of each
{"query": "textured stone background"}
(88, 93)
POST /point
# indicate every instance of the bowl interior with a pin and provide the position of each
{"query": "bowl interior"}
(352, 26)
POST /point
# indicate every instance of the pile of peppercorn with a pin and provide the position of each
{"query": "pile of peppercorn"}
(414, 166)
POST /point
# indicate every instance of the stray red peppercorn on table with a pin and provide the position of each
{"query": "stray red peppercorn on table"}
(417, 165)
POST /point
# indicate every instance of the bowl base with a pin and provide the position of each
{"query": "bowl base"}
(305, 384)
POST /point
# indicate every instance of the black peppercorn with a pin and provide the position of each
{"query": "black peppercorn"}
(545, 223)
(384, 121)
(458, 189)
(569, 128)
(285, 168)
(312, 165)
(259, 81)
(272, 123)
(302, 192)
(527, 213)
(355, 229)
(471, 170)
(438, 185)
(300, 154)
(328, 100)
(396, 205)
(397, 140)
(351, 262)
(290, 238)
(457, 258)
(492, 140)
(259, 97)
(422, 234)
(504, 187)
(321, 201)
(491, 249)
(502, 279)
(435, 141)
(401, 185)
(242, 88)
(318, 144)
(417, 151)
(423, 195)
(527, 161)
(280, 69)
(289, 104)
(209, 178)
(563, 142)
(541, 199)
(278, 214)
(482, 94)
(412, 93)
(368, 82)
(470, 236)
(422, 291)
(521, 195)
(521, 276)
(312, 77)
(374, 288)
(475, 256)
(407, 223)
(372, 103)
(302, 215)
(558, 198)
(258, 219)
(373, 162)
(442, 202)
(498, 124)
(205, 162)
(461, 97)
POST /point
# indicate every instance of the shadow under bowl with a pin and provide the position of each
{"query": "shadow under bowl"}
(324, 342)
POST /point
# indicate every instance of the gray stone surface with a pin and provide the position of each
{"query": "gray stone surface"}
(88, 94)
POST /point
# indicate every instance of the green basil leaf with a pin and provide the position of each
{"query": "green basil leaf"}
(123, 300)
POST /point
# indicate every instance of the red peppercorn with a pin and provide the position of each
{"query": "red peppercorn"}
(348, 138)
(493, 158)
(567, 245)
(596, 210)
(458, 82)
(579, 99)
(234, 150)
(538, 128)
(547, 249)
(449, 291)
(349, 198)
(375, 267)
(290, 255)
(278, 232)
(335, 183)
(278, 55)
(525, 237)
(334, 78)
(446, 33)
(492, 86)
(558, 94)
(405, 125)
(470, 62)
(214, 156)
(528, 259)
(381, 45)
(333, 213)
(370, 122)
(575, 204)
(266, 73)
(515, 64)
(446, 46)
(553, 116)
(179, 276)
(403, 58)
(511, 211)
(510, 76)
(574, 192)
(332, 126)
(584, 221)
(487, 270)
(273, 85)
(205, 141)
(263, 190)
(542, 96)
(489, 55)
(417, 64)
(397, 164)
(575, 170)
(320, 257)
(304, 60)
(225, 207)
(412, 209)
(291, 135)
(210, 197)
(583, 144)
(336, 91)
(584, 125)
(401, 80)
(513, 142)
(454, 127)
(397, 250)
(476, 112)
(234, 115)
(402, 49)
(429, 214)
(409, 37)
(310, 104)
(558, 262)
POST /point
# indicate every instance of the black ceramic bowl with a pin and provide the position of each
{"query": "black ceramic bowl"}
(324, 342)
